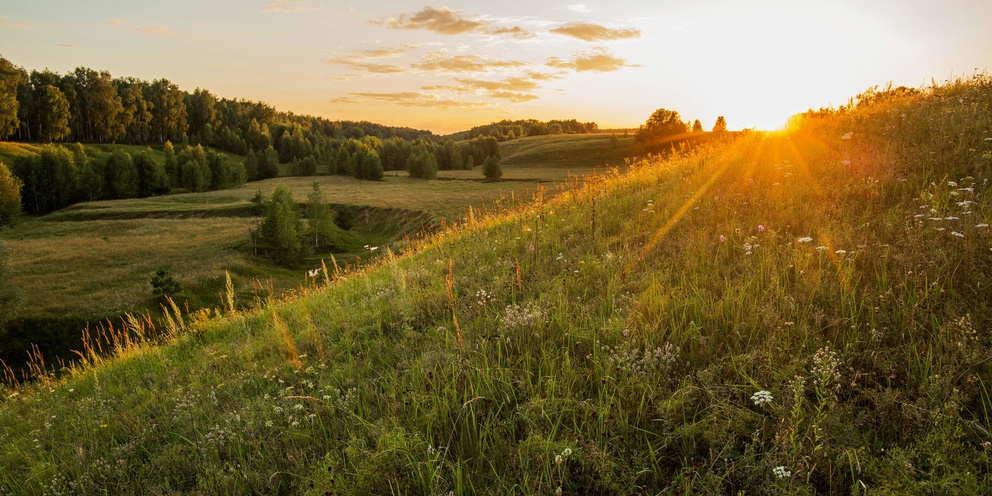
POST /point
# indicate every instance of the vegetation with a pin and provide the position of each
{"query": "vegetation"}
(10, 197)
(492, 169)
(798, 313)
(11, 296)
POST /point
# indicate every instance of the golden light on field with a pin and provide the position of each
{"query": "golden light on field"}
(449, 66)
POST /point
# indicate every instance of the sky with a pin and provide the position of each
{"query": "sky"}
(449, 65)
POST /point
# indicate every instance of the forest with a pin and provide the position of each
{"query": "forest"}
(193, 128)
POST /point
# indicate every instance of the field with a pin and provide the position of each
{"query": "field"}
(804, 312)
(93, 260)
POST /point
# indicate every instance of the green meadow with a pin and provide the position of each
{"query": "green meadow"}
(92, 261)
(799, 312)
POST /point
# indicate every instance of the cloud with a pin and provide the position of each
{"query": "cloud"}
(411, 99)
(14, 24)
(386, 51)
(359, 64)
(284, 7)
(152, 30)
(588, 31)
(515, 89)
(598, 59)
(440, 61)
(446, 21)
(580, 8)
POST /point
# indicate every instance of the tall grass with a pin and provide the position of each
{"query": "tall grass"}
(610, 340)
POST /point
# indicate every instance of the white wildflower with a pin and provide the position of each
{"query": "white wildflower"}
(981, 225)
(781, 472)
(840, 252)
(822, 248)
(805, 239)
(952, 184)
(955, 233)
(761, 397)
(847, 135)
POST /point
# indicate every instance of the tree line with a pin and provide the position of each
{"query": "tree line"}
(511, 129)
(665, 128)
(91, 106)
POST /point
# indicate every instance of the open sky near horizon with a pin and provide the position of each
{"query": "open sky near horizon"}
(450, 65)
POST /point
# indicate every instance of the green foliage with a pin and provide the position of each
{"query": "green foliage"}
(121, 176)
(268, 163)
(320, 219)
(171, 163)
(697, 127)
(10, 79)
(54, 114)
(151, 176)
(422, 164)
(10, 197)
(163, 284)
(366, 163)
(281, 229)
(492, 169)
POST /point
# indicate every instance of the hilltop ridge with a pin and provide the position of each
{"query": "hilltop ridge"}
(802, 312)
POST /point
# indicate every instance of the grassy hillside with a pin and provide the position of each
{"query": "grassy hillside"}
(795, 313)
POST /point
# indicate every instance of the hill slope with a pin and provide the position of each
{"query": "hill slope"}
(796, 313)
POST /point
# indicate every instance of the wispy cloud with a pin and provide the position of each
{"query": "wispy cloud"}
(588, 31)
(515, 89)
(386, 51)
(359, 65)
(451, 22)
(150, 30)
(14, 24)
(599, 59)
(442, 62)
(580, 8)
(411, 99)
(286, 7)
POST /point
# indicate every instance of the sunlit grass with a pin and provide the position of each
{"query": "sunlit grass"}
(784, 314)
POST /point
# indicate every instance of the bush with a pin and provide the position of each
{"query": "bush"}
(492, 169)
(422, 164)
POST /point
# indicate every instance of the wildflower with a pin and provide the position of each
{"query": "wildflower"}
(761, 397)
(781, 472)
(845, 162)
(952, 184)
(805, 239)
(981, 225)
(558, 459)
(955, 233)
(761, 228)
(847, 135)
(970, 190)
(722, 238)
(840, 252)
(822, 248)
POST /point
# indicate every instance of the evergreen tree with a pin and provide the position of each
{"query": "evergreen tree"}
(10, 196)
(268, 163)
(281, 227)
(697, 127)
